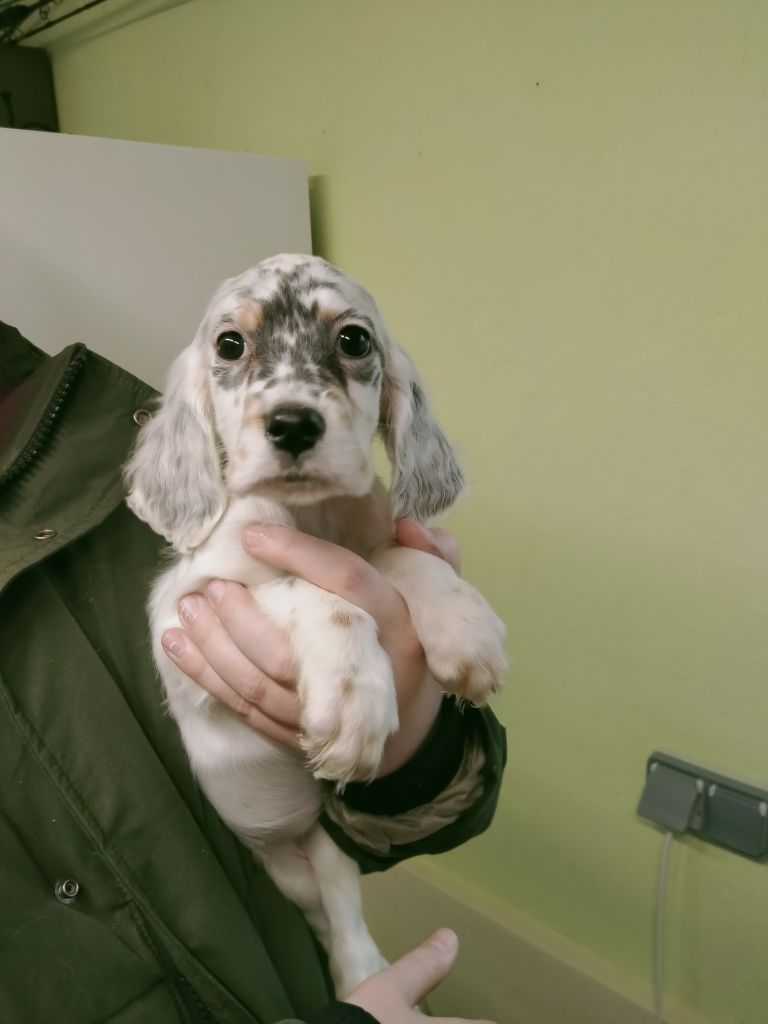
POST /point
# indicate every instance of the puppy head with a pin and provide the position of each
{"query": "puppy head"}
(291, 373)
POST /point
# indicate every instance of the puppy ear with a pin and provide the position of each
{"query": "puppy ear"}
(426, 477)
(174, 476)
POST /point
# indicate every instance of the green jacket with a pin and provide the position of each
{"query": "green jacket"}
(173, 920)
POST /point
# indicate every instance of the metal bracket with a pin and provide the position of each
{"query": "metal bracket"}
(685, 796)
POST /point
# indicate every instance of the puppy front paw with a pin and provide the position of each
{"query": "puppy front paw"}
(464, 644)
(349, 707)
(345, 743)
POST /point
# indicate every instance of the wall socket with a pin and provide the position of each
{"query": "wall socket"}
(685, 796)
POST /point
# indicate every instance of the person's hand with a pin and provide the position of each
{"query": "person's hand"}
(433, 540)
(391, 995)
(231, 648)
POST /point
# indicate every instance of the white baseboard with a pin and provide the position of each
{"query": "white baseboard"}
(510, 970)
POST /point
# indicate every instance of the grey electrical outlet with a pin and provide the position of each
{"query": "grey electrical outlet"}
(685, 796)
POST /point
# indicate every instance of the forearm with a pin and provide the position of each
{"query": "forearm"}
(417, 719)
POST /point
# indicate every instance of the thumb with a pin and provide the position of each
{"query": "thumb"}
(418, 972)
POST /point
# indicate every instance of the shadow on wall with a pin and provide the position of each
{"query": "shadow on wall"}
(319, 215)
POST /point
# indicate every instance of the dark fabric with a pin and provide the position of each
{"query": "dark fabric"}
(342, 1013)
(421, 778)
(173, 920)
(483, 729)
(18, 356)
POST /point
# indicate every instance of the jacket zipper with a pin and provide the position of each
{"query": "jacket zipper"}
(49, 417)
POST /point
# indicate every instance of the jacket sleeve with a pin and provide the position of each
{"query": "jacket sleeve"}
(445, 795)
(342, 1013)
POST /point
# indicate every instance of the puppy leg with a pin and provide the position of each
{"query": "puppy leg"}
(463, 639)
(353, 954)
(290, 868)
(345, 681)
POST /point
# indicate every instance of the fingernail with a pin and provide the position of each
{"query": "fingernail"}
(422, 531)
(445, 940)
(172, 645)
(431, 540)
(254, 536)
(215, 590)
(187, 609)
(426, 533)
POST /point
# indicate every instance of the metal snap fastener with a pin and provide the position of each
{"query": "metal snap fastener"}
(142, 416)
(66, 889)
(45, 534)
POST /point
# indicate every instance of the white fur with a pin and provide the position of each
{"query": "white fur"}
(202, 470)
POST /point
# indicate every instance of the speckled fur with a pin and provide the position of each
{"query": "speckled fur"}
(204, 467)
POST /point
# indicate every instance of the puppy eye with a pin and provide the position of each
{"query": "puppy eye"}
(230, 345)
(354, 341)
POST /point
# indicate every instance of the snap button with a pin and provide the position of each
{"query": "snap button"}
(66, 889)
(45, 534)
(142, 416)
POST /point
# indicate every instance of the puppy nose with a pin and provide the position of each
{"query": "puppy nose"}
(294, 428)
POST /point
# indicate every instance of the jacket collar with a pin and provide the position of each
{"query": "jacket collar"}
(18, 357)
(68, 424)
(29, 406)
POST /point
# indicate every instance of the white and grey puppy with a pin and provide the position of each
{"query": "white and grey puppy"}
(269, 416)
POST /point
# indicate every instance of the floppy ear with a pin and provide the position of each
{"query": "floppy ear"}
(174, 476)
(426, 478)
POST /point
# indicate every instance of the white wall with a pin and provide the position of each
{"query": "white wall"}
(121, 244)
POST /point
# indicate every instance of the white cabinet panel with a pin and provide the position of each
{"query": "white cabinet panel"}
(120, 244)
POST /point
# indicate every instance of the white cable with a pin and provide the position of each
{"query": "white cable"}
(660, 927)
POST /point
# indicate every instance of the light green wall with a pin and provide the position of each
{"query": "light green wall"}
(561, 207)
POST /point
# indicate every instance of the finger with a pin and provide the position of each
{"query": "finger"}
(326, 565)
(435, 541)
(418, 972)
(448, 547)
(184, 653)
(252, 629)
(230, 664)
